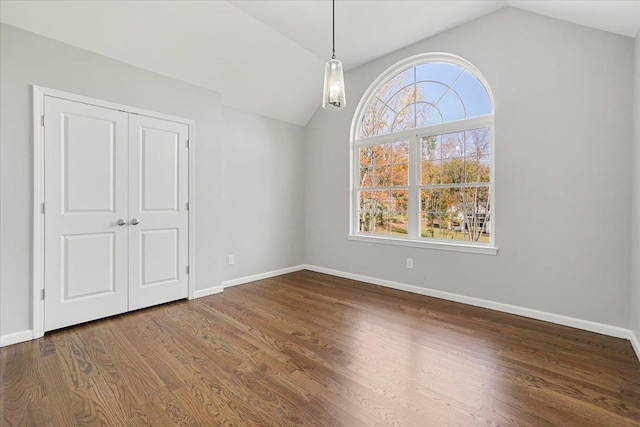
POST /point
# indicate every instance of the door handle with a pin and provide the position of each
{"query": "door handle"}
(134, 221)
(121, 222)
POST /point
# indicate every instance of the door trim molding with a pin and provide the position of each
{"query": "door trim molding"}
(39, 93)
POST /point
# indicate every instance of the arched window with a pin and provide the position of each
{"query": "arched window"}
(422, 151)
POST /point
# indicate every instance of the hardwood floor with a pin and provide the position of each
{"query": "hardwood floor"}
(315, 350)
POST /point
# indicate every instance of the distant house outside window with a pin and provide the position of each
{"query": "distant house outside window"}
(422, 157)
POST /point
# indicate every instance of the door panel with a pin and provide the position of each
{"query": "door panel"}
(159, 162)
(88, 262)
(86, 192)
(158, 245)
(160, 258)
(88, 168)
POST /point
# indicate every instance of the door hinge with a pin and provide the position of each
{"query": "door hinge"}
(42, 208)
(187, 205)
(188, 269)
(43, 294)
(188, 144)
(42, 120)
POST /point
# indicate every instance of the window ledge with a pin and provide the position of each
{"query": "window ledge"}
(427, 244)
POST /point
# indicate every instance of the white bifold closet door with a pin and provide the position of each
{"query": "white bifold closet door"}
(116, 222)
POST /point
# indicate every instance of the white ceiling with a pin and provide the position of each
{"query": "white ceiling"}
(267, 56)
(363, 28)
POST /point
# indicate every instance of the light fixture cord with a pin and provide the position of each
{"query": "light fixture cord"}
(334, 30)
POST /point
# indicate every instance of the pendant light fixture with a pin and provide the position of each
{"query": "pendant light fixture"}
(333, 97)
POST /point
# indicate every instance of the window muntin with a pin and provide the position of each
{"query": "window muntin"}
(439, 116)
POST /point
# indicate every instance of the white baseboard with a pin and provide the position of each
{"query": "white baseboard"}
(209, 291)
(559, 319)
(268, 274)
(16, 337)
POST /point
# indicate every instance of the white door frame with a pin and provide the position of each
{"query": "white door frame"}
(39, 94)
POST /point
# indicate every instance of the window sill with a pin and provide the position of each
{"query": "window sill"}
(445, 246)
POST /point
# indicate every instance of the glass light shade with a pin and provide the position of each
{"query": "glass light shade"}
(334, 97)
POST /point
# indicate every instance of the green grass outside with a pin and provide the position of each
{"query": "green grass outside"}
(433, 233)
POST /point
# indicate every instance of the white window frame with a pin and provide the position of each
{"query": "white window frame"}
(413, 238)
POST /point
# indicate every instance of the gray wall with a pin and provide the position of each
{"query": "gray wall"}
(263, 188)
(26, 59)
(563, 146)
(635, 252)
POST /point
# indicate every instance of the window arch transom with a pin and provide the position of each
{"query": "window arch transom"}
(423, 95)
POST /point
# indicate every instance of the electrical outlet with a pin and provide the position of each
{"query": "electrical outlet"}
(232, 260)
(409, 262)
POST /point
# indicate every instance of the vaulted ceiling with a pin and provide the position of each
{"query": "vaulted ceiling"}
(266, 56)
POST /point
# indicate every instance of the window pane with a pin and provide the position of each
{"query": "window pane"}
(451, 200)
(478, 171)
(453, 145)
(364, 198)
(430, 225)
(477, 143)
(400, 161)
(391, 87)
(400, 174)
(399, 200)
(399, 223)
(366, 156)
(453, 171)
(381, 223)
(451, 107)
(402, 97)
(382, 176)
(427, 115)
(381, 154)
(448, 224)
(366, 177)
(374, 222)
(400, 152)
(453, 160)
(430, 92)
(430, 148)
(367, 221)
(380, 200)
(473, 94)
(431, 172)
(376, 120)
(430, 200)
(405, 119)
(477, 213)
(373, 211)
(477, 152)
(439, 72)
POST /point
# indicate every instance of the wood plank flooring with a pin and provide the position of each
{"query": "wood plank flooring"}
(315, 350)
